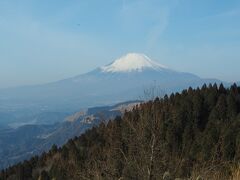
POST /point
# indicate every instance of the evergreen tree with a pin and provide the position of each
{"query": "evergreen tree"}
(179, 133)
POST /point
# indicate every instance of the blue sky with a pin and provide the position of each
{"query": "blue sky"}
(44, 41)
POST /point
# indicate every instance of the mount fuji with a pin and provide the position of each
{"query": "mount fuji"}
(124, 79)
(132, 62)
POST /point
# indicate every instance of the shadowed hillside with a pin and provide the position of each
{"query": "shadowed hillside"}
(193, 134)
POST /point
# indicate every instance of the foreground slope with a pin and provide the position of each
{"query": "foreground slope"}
(189, 134)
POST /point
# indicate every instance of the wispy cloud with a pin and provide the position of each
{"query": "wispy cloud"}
(151, 19)
(157, 30)
(229, 13)
(225, 14)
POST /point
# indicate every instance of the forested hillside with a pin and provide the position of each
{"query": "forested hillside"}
(188, 134)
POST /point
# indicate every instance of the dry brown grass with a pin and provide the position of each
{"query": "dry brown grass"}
(217, 172)
(236, 173)
(210, 173)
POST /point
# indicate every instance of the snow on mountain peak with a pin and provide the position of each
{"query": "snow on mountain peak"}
(132, 62)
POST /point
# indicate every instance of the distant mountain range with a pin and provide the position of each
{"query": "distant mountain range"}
(124, 79)
(21, 143)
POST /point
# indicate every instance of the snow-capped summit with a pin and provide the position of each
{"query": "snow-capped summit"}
(132, 62)
(125, 79)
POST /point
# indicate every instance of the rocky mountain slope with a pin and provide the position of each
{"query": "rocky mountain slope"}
(21, 143)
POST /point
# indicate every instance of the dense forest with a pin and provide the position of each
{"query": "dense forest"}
(192, 134)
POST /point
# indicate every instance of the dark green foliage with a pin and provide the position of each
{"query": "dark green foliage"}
(176, 133)
(44, 176)
(54, 149)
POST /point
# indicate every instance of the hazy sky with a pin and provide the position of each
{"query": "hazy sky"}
(47, 40)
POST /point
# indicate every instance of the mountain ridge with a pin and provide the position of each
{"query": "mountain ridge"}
(189, 135)
(22, 142)
(98, 88)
